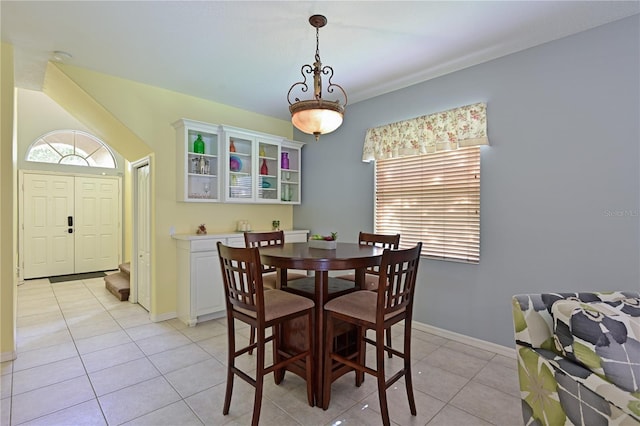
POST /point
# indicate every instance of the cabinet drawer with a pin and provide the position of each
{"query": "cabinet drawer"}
(295, 237)
(205, 245)
(236, 242)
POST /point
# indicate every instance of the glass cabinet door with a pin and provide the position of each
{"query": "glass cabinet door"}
(268, 166)
(259, 168)
(203, 167)
(241, 166)
(197, 161)
(290, 173)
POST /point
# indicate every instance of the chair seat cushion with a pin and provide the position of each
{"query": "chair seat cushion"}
(370, 280)
(278, 303)
(602, 336)
(359, 304)
(270, 279)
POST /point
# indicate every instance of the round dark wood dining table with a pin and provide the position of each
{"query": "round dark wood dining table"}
(346, 256)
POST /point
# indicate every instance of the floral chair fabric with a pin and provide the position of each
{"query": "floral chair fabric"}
(578, 357)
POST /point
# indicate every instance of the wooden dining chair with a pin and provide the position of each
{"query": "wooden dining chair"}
(247, 301)
(390, 304)
(269, 239)
(269, 273)
(387, 241)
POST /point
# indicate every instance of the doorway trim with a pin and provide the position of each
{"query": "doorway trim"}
(133, 291)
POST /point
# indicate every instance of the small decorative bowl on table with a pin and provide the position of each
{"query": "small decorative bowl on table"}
(322, 244)
(325, 243)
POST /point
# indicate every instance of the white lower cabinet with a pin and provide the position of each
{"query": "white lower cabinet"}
(200, 293)
(199, 279)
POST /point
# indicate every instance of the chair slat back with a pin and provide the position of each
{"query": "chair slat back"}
(386, 241)
(242, 277)
(264, 239)
(396, 286)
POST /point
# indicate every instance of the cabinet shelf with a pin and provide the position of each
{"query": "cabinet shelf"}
(197, 154)
(239, 154)
(202, 175)
(199, 198)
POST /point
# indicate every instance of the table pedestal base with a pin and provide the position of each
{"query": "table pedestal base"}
(294, 340)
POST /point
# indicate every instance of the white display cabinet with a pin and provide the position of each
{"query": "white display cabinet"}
(237, 165)
(198, 173)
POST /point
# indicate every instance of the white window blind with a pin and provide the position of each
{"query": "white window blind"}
(433, 198)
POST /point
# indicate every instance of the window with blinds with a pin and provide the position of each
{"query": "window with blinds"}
(433, 198)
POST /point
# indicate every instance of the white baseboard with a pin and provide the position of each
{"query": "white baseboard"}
(7, 356)
(162, 317)
(172, 315)
(215, 315)
(467, 340)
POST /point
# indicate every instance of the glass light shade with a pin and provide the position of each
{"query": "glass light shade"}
(316, 117)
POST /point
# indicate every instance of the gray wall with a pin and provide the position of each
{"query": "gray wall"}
(560, 183)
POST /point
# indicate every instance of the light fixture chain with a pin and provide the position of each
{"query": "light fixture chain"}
(317, 44)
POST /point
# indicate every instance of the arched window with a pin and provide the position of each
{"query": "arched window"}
(71, 147)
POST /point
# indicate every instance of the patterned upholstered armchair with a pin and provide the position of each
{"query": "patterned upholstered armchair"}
(578, 357)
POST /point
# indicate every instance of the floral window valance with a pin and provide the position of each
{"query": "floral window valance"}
(442, 131)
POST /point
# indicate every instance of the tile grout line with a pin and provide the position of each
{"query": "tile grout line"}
(139, 348)
(470, 380)
(146, 356)
(79, 357)
(84, 367)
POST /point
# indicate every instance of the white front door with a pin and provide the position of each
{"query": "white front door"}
(48, 246)
(97, 223)
(70, 224)
(142, 205)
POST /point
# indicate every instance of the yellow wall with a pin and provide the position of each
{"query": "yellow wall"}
(7, 207)
(148, 112)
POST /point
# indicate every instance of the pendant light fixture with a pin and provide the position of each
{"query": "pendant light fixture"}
(316, 116)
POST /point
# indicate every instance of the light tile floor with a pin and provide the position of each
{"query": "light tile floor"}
(85, 358)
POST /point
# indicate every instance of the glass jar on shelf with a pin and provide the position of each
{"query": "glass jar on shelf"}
(198, 145)
(284, 160)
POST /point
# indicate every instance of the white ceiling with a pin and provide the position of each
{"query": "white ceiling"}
(248, 53)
